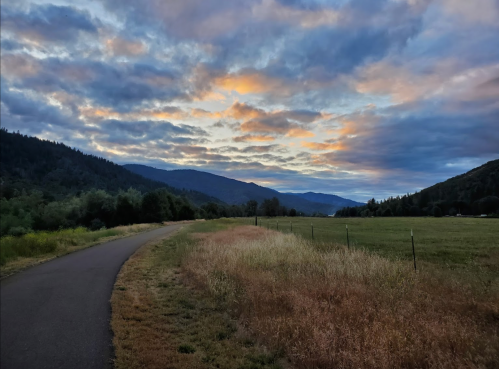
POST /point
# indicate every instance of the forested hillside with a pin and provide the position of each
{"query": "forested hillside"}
(472, 193)
(58, 170)
(47, 186)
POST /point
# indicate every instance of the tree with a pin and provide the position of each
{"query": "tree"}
(128, 206)
(211, 210)
(387, 213)
(156, 207)
(270, 207)
(186, 212)
(292, 212)
(437, 212)
(251, 208)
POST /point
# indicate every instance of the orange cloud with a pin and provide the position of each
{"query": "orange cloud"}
(299, 133)
(336, 146)
(259, 138)
(250, 83)
(106, 113)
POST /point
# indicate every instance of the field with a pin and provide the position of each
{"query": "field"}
(452, 242)
(224, 294)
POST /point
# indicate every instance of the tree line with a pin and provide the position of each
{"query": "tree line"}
(26, 211)
(411, 205)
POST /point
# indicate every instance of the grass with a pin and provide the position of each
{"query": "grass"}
(450, 242)
(17, 253)
(161, 320)
(325, 306)
(222, 295)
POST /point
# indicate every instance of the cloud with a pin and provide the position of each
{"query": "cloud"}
(48, 23)
(385, 96)
(258, 138)
(322, 146)
(119, 46)
(118, 85)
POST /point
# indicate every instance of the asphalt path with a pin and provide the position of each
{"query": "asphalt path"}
(57, 314)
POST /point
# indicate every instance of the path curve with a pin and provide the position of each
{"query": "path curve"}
(57, 314)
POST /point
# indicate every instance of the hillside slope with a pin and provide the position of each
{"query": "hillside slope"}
(229, 190)
(334, 200)
(58, 170)
(472, 193)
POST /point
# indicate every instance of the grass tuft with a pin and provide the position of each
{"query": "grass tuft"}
(186, 349)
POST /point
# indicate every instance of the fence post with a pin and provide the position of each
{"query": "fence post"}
(312, 230)
(348, 239)
(413, 251)
(277, 225)
(291, 226)
(256, 220)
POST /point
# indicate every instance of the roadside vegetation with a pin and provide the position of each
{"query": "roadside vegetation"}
(20, 252)
(161, 319)
(196, 299)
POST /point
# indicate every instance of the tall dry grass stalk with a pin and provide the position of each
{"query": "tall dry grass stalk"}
(329, 307)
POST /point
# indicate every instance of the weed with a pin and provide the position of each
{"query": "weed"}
(186, 349)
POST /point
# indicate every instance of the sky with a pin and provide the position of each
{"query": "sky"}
(359, 98)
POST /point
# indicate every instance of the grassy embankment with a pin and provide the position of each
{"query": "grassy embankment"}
(318, 304)
(17, 253)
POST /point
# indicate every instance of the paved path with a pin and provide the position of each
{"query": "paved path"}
(56, 315)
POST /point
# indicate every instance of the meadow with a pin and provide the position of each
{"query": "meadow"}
(17, 253)
(449, 241)
(224, 294)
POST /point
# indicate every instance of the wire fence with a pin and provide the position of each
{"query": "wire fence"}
(338, 233)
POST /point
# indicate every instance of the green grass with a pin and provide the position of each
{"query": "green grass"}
(445, 241)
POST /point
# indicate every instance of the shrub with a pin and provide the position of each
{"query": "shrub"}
(186, 349)
(97, 224)
(18, 231)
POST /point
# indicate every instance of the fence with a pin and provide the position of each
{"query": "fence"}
(335, 233)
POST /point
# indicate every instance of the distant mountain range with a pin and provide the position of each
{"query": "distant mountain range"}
(237, 192)
(336, 201)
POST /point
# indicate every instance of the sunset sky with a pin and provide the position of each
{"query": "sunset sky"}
(360, 98)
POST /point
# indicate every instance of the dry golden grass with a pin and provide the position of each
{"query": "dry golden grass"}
(159, 321)
(328, 307)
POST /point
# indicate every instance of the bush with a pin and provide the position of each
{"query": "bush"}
(18, 231)
(97, 224)
(186, 349)
(26, 246)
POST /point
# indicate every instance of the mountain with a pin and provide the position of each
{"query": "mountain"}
(472, 193)
(334, 200)
(58, 170)
(229, 190)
